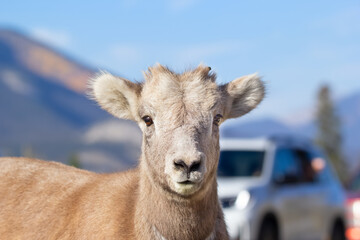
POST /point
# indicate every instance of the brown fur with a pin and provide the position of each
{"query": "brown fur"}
(47, 200)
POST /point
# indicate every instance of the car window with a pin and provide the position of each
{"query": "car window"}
(308, 173)
(293, 166)
(240, 163)
(286, 167)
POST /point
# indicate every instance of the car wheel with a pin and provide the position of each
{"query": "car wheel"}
(338, 231)
(268, 231)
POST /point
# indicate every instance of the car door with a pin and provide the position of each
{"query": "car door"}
(289, 195)
(314, 195)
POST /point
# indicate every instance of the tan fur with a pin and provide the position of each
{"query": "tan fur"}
(157, 200)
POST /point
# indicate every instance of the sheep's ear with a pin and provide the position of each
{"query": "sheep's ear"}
(118, 96)
(242, 95)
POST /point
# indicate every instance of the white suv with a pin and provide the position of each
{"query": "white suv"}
(279, 188)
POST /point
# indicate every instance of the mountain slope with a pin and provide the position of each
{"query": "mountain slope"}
(43, 107)
(29, 98)
(18, 49)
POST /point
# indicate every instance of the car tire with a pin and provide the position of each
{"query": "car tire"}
(268, 230)
(338, 231)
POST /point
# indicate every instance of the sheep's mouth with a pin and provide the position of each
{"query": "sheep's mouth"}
(186, 182)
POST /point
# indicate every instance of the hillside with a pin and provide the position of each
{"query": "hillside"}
(42, 102)
(27, 54)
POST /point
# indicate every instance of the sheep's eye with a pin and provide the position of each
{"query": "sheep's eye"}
(148, 121)
(217, 119)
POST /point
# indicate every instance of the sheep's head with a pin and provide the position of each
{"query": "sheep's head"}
(179, 115)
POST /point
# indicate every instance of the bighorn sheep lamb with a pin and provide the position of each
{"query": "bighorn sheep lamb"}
(172, 194)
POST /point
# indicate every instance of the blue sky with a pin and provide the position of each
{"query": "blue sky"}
(294, 45)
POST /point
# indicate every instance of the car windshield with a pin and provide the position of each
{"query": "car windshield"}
(240, 163)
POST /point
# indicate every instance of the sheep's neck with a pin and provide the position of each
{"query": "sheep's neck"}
(170, 217)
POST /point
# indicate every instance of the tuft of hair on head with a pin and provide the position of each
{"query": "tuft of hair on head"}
(156, 71)
(205, 72)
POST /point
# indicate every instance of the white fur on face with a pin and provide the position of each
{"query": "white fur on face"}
(187, 149)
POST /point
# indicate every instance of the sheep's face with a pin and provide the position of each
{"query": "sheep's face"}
(179, 115)
(180, 118)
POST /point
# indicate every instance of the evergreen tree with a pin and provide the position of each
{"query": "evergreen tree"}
(28, 152)
(329, 132)
(74, 160)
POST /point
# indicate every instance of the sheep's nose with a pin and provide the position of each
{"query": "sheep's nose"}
(191, 166)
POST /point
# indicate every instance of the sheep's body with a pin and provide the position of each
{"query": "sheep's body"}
(78, 204)
(171, 195)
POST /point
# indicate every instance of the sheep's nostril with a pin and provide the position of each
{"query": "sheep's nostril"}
(195, 166)
(180, 164)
